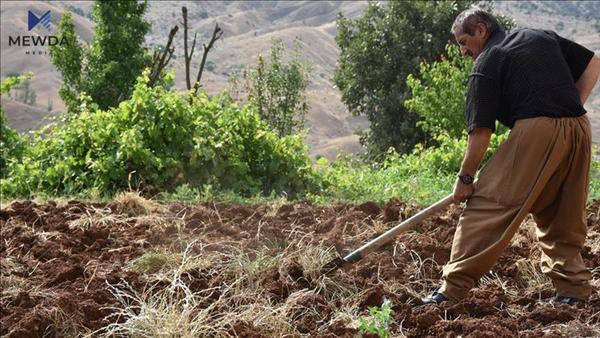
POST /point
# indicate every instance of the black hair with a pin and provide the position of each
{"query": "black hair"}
(468, 19)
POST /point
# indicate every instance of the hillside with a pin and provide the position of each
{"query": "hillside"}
(249, 27)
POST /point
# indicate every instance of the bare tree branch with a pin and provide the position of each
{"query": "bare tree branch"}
(193, 46)
(188, 57)
(159, 64)
(217, 33)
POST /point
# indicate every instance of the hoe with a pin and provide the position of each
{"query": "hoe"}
(386, 237)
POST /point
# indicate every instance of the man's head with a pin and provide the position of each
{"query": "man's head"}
(472, 28)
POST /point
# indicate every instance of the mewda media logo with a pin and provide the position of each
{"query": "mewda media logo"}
(33, 20)
(36, 43)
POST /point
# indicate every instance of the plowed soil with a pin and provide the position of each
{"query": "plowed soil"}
(62, 262)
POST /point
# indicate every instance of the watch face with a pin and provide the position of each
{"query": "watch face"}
(466, 179)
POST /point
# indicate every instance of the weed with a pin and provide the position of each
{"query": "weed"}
(379, 320)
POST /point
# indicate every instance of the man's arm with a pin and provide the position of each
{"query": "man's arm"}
(479, 141)
(588, 79)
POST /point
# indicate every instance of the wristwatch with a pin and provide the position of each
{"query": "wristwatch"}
(466, 179)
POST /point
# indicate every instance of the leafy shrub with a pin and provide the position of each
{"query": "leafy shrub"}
(12, 145)
(278, 89)
(438, 94)
(159, 139)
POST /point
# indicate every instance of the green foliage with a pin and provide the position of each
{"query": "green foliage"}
(116, 56)
(379, 320)
(426, 174)
(24, 92)
(438, 94)
(159, 139)
(68, 60)
(107, 70)
(401, 176)
(12, 145)
(378, 51)
(594, 189)
(278, 90)
(12, 81)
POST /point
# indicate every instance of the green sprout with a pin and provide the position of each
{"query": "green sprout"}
(379, 320)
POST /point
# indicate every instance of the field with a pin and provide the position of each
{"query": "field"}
(135, 267)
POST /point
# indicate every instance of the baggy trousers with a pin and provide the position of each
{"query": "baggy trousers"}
(542, 168)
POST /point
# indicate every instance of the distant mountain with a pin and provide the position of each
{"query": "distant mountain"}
(249, 27)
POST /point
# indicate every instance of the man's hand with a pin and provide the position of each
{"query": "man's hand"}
(462, 191)
(478, 142)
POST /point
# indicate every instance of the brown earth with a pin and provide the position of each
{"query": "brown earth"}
(60, 266)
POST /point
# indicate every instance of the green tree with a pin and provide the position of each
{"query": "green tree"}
(68, 60)
(116, 56)
(438, 94)
(107, 70)
(278, 90)
(378, 51)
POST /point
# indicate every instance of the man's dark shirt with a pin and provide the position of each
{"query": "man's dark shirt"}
(523, 74)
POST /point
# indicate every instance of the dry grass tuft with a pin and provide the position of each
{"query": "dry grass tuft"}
(63, 325)
(246, 267)
(156, 221)
(169, 312)
(10, 283)
(423, 273)
(152, 262)
(493, 279)
(162, 264)
(347, 315)
(530, 275)
(312, 257)
(275, 206)
(176, 311)
(98, 217)
(133, 204)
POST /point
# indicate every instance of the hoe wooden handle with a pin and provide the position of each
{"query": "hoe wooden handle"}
(398, 229)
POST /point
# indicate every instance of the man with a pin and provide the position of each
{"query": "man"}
(535, 82)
